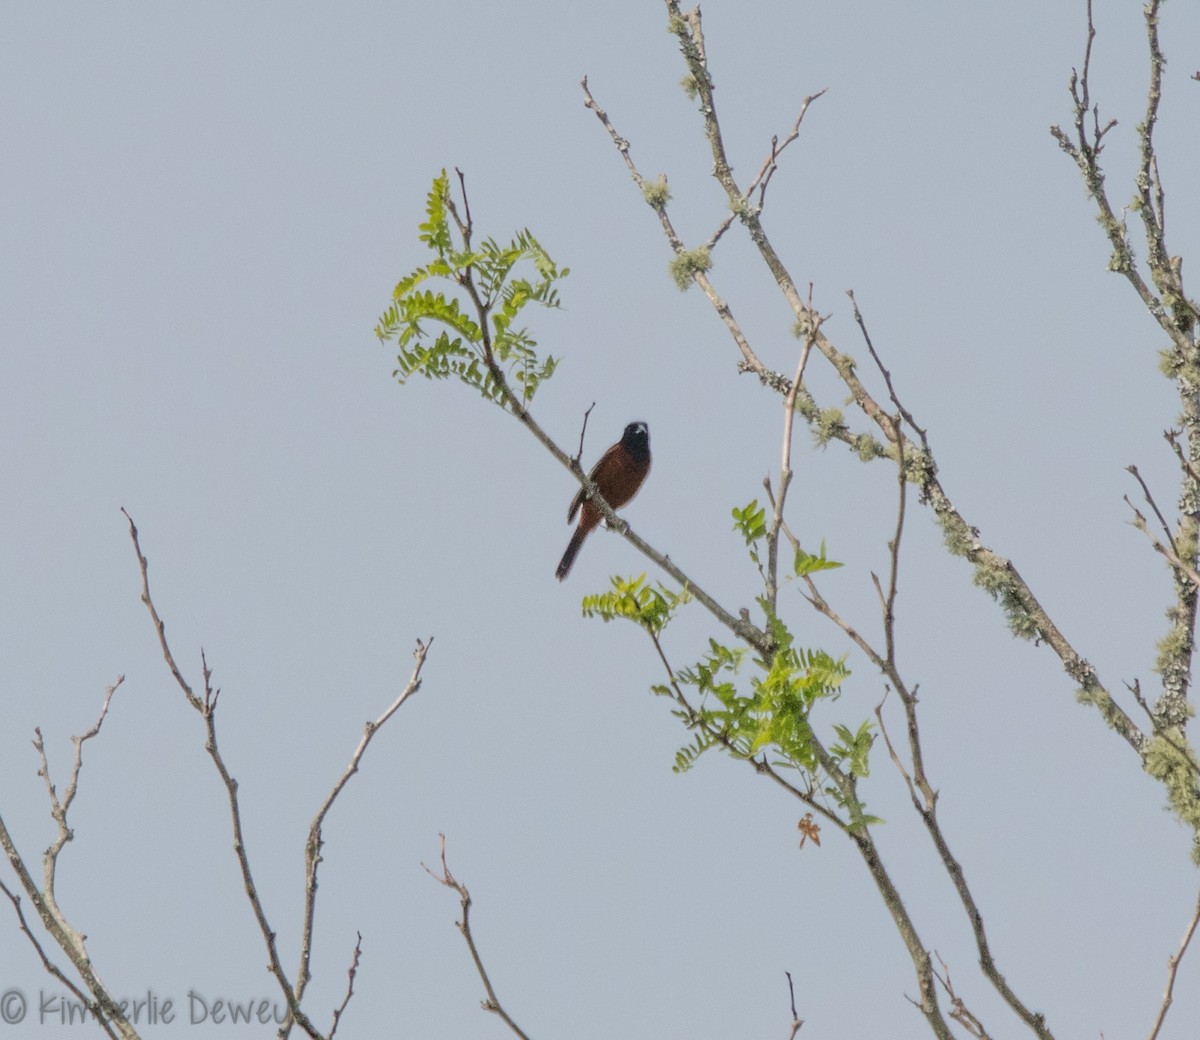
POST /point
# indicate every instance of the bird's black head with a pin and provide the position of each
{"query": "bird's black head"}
(636, 440)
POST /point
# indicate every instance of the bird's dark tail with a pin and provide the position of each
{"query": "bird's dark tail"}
(564, 566)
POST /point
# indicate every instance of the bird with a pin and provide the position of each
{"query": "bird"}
(618, 475)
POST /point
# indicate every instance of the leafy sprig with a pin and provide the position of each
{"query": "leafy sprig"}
(470, 331)
(767, 715)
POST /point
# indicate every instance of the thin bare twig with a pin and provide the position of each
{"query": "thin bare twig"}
(958, 1010)
(785, 473)
(797, 1021)
(765, 172)
(351, 972)
(1181, 566)
(1172, 970)
(749, 358)
(492, 1002)
(860, 321)
(583, 433)
(771, 165)
(315, 842)
(1185, 464)
(69, 939)
(58, 810)
(1162, 520)
(893, 754)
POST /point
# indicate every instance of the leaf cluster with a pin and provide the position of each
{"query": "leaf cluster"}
(469, 329)
(767, 715)
(751, 523)
(633, 599)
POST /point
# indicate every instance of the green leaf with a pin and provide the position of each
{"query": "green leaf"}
(751, 521)
(809, 564)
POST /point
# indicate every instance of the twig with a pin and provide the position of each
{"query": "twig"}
(351, 972)
(1186, 755)
(465, 228)
(492, 1002)
(58, 810)
(583, 432)
(1186, 464)
(797, 1021)
(893, 754)
(884, 371)
(749, 359)
(315, 842)
(70, 940)
(1182, 568)
(1172, 969)
(1162, 520)
(958, 1010)
(766, 171)
(785, 473)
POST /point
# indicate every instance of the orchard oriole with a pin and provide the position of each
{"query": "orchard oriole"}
(617, 476)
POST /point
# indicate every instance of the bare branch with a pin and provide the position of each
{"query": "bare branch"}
(1181, 566)
(583, 433)
(69, 939)
(54, 970)
(492, 1002)
(1162, 520)
(58, 810)
(1172, 970)
(785, 473)
(765, 172)
(351, 972)
(749, 358)
(206, 708)
(797, 1021)
(1185, 464)
(958, 1010)
(315, 842)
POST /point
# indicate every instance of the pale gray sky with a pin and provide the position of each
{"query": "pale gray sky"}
(204, 210)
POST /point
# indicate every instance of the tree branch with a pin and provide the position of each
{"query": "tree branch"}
(315, 842)
(71, 941)
(1172, 970)
(492, 1002)
(207, 709)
